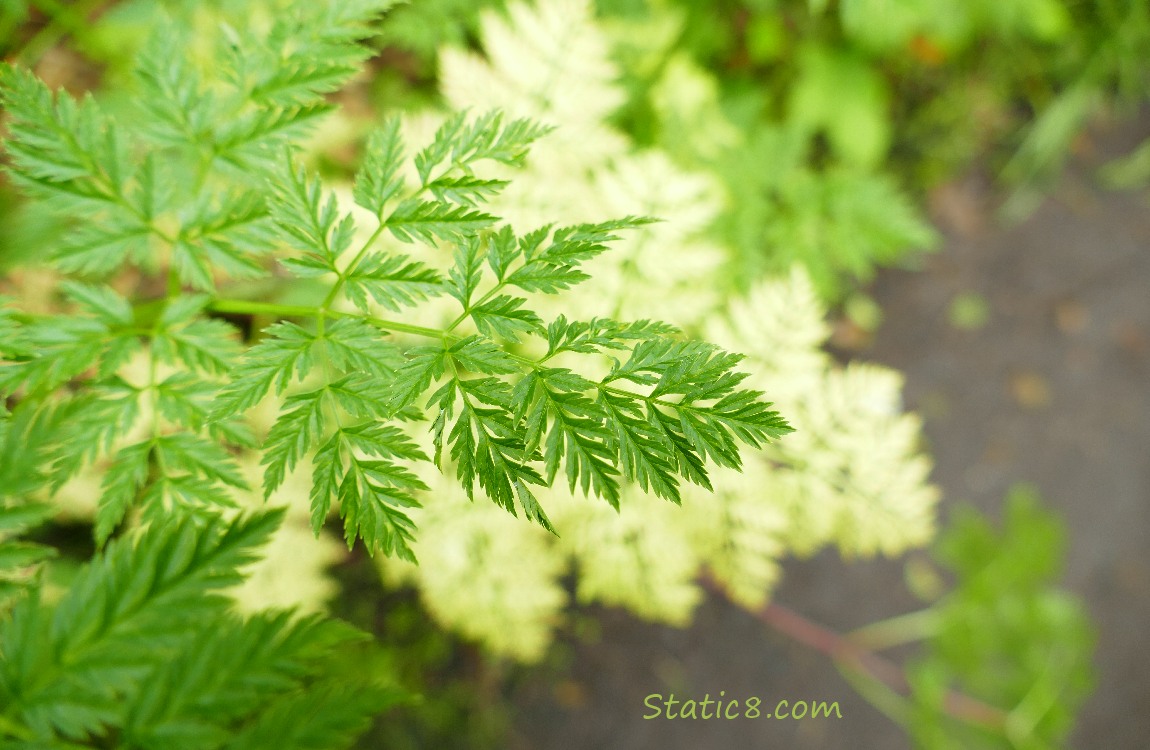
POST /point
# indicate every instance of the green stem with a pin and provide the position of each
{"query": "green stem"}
(463, 315)
(397, 327)
(245, 307)
(1042, 696)
(876, 692)
(330, 405)
(350, 268)
(359, 256)
(895, 631)
(850, 655)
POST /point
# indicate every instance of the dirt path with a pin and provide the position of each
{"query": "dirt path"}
(1054, 389)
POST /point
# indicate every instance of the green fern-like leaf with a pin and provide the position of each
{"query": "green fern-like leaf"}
(201, 185)
(143, 647)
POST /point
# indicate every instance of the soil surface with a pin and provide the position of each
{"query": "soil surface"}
(1054, 389)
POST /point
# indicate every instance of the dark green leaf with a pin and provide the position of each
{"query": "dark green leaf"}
(378, 179)
(394, 281)
(428, 221)
(504, 317)
(286, 351)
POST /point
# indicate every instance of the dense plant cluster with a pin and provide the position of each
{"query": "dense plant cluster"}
(852, 475)
(194, 185)
(465, 307)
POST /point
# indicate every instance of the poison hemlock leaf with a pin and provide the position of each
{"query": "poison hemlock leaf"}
(646, 457)
(553, 266)
(143, 647)
(19, 558)
(308, 221)
(52, 350)
(285, 354)
(67, 151)
(503, 317)
(230, 238)
(155, 356)
(392, 281)
(203, 185)
(141, 377)
(378, 180)
(851, 476)
(469, 380)
(487, 137)
(576, 432)
(428, 221)
(199, 184)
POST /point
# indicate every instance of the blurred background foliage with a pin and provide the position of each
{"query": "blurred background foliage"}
(826, 123)
(1004, 633)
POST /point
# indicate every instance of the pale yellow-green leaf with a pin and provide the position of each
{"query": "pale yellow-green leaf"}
(641, 558)
(486, 575)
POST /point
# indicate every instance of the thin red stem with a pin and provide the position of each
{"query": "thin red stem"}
(852, 655)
